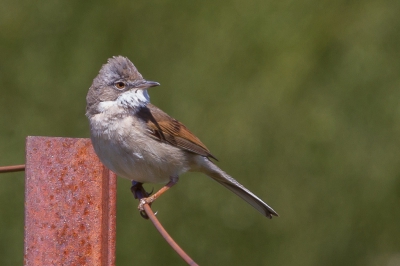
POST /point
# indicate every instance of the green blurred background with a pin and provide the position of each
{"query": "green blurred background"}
(298, 99)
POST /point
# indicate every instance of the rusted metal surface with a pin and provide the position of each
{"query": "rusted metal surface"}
(70, 204)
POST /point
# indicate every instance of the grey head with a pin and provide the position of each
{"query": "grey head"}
(116, 81)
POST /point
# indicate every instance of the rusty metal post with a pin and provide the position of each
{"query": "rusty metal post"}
(70, 204)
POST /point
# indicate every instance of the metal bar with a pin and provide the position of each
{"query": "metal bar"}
(70, 204)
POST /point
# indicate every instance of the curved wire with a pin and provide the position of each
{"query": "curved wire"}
(165, 234)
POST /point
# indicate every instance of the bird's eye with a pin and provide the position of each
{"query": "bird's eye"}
(120, 85)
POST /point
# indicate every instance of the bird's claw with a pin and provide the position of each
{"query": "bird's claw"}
(142, 202)
(144, 215)
(149, 193)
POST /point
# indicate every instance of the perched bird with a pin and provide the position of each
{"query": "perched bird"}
(138, 141)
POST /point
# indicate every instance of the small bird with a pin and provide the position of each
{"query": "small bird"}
(138, 141)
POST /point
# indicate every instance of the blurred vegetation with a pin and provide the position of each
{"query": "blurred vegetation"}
(298, 99)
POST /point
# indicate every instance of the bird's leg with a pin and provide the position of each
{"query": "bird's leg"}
(136, 187)
(151, 199)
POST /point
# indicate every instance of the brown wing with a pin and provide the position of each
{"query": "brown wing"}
(167, 129)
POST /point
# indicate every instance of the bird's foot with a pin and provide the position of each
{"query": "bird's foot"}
(140, 193)
(143, 201)
(145, 198)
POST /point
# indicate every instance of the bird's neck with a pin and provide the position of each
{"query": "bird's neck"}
(128, 102)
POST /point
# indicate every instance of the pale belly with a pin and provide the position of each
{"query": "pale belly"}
(135, 156)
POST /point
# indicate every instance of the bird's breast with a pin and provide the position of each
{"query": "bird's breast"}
(122, 144)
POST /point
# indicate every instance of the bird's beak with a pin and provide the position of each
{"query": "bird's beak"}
(147, 84)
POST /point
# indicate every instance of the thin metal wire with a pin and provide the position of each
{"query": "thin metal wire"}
(165, 234)
(12, 168)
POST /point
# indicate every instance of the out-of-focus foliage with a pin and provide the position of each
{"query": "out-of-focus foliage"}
(298, 99)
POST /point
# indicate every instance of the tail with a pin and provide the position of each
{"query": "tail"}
(230, 183)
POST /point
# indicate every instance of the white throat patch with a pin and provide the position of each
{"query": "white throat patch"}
(134, 98)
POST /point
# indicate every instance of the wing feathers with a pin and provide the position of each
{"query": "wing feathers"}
(164, 128)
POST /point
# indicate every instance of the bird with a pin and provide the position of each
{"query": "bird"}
(140, 142)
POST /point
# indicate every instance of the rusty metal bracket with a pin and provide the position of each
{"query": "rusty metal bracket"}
(70, 204)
